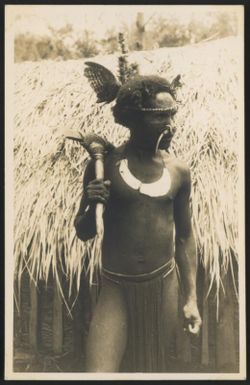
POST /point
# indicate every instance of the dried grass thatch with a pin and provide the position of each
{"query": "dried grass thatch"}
(53, 96)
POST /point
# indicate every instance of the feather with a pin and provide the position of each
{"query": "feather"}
(103, 82)
(176, 82)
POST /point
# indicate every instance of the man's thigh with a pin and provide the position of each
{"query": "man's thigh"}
(171, 305)
(108, 331)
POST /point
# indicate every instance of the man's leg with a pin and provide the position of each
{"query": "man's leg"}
(170, 317)
(108, 331)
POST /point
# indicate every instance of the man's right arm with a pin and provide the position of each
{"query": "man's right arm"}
(94, 191)
(85, 219)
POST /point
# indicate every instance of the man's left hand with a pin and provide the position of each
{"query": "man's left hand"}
(192, 319)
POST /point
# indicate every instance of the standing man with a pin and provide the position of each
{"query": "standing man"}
(148, 238)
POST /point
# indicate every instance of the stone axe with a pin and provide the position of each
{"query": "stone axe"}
(97, 148)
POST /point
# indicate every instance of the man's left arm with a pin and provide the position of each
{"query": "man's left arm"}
(185, 253)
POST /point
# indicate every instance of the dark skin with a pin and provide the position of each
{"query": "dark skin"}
(139, 229)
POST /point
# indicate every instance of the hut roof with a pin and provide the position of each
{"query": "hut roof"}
(53, 96)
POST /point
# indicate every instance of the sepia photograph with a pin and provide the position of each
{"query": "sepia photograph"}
(124, 180)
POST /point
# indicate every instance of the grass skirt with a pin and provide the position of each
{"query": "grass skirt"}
(152, 308)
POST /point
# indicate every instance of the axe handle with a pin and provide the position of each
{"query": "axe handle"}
(99, 172)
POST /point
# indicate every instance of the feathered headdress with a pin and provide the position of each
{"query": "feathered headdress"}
(131, 90)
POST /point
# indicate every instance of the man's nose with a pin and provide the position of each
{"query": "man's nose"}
(173, 129)
(170, 129)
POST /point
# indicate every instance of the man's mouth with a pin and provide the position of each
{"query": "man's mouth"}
(167, 137)
(163, 140)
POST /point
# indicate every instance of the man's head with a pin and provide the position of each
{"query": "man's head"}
(146, 105)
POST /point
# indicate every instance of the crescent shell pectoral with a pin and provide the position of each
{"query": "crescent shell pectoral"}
(155, 189)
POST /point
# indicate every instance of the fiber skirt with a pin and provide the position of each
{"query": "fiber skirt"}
(152, 309)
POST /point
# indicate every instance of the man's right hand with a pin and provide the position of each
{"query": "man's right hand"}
(98, 191)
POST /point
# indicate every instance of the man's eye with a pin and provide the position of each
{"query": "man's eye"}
(163, 115)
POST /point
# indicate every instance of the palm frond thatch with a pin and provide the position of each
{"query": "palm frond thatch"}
(53, 96)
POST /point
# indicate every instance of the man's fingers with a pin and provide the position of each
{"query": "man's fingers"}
(101, 187)
(100, 182)
(97, 190)
(103, 194)
(193, 326)
(194, 329)
(97, 198)
(192, 320)
(97, 194)
(97, 186)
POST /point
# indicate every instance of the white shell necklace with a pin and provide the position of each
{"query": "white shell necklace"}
(155, 189)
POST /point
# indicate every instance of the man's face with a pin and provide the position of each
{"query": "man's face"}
(155, 123)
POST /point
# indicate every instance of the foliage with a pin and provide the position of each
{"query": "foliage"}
(65, 43)
(171, 33)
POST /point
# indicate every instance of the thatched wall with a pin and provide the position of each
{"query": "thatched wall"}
(53, 96)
